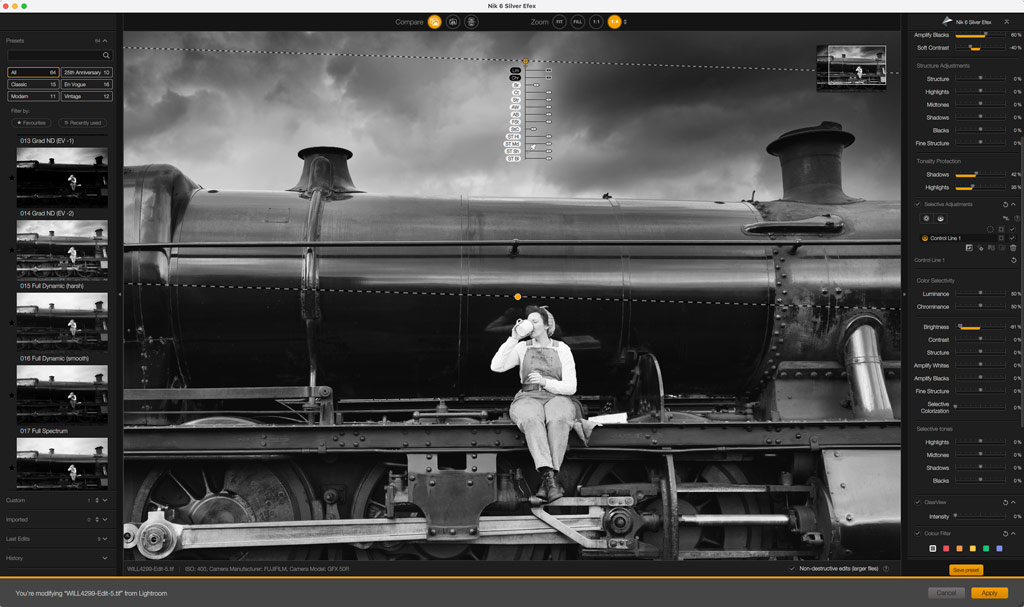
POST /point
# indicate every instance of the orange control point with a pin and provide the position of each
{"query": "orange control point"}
(518, 296)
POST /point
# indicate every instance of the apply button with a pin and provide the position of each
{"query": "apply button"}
(990, 593)
(966, 570)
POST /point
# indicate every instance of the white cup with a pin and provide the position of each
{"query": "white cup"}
(523, 327)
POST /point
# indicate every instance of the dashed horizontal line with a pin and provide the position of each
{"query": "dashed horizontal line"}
(508, 296)
(242, 51)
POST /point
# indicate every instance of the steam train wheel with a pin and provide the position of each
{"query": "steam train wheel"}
(63, 271)
(721, 538)
(192, 493)
(368, 502)
(40, 271)
(84, 270)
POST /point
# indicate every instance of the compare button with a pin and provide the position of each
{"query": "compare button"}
(990, 593)
(966, 570)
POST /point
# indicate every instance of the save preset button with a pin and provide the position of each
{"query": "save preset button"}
(966, 570)
(990, 593)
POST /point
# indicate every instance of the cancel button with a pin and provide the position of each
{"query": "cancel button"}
(947, 593)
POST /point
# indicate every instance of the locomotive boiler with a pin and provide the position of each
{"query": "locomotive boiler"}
(53, 400)
(44, 184)
(47, 256)
(47, 328)
(49, 471)
(307, 372)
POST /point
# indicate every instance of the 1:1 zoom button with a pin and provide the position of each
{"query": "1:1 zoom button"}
(596, 21)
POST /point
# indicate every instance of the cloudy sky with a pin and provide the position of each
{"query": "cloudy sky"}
(436, 126)
(66, 446)
(64, 301)
(61, 227)
(63, 155)
(62, 372)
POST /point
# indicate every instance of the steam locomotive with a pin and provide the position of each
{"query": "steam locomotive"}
(51, 183)
(47, 328)
(50, 400)
(48, 256)
(50, 471)
(307, 372)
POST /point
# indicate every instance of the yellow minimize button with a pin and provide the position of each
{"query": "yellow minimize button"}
(990, 593)
(958, 570)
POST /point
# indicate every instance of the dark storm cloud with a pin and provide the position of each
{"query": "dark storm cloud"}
(75, 227)
(79, 373)
(62, 155)
(63, 301)
(436, 126)
(64, 446)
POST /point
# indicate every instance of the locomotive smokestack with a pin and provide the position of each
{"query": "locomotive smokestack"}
(325, 168)
(51, 450)
(99, 450)
(99, 161)
(51, 234)
(99, 306)
(812, 167)
(99, 233)
(52, 306)
(99, 378)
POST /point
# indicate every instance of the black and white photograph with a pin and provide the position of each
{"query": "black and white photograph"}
(72, 177)
(56, 250)
(852, 67)
(522, 296)
(55, 323)
(62, 464)
(65, 394)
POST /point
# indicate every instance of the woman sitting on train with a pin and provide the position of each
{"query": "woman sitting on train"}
(542, 409)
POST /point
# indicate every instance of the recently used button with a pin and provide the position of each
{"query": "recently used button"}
(947, 593)
(990, 593)
(966, 570)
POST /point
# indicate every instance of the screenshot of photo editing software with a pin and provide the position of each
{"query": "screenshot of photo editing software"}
(606, 299)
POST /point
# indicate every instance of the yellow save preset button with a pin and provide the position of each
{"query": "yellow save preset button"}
(990, 593)
(966, 570)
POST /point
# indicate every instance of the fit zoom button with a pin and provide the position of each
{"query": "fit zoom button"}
(990, 593)
(559, 22)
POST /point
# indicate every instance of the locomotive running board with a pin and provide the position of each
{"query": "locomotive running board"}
(158, 538)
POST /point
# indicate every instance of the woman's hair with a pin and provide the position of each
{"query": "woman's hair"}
(549, 318)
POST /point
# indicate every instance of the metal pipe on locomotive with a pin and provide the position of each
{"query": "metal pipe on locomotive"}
(307, 371)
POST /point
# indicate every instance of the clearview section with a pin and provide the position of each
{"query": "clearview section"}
(965, 451)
